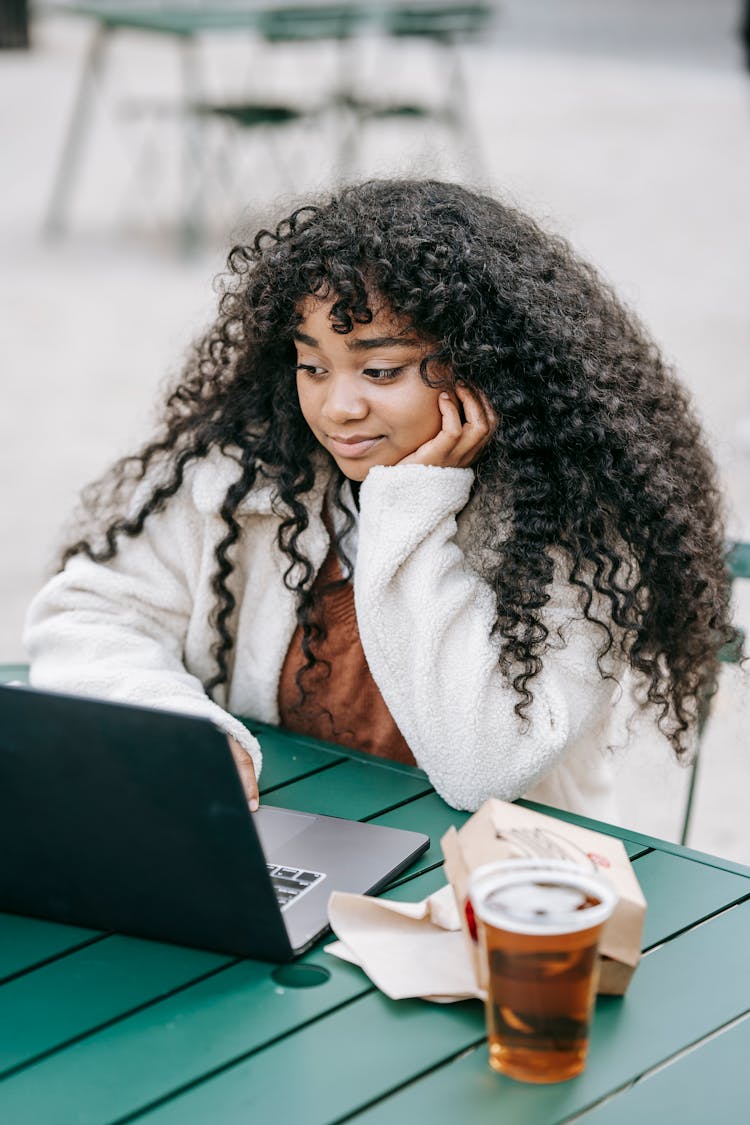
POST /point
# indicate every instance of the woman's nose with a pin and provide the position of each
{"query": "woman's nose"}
(344, 400)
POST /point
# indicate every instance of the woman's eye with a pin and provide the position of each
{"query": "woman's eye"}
(310, 369)
(382, 374)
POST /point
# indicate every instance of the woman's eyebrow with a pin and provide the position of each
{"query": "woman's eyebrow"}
(302, 338)
(361, 345)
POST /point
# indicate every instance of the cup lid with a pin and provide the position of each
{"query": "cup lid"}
(540, 896)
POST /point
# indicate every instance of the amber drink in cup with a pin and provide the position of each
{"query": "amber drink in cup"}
(538, 925)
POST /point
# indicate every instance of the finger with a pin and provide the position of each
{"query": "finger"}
(479, 427)
(439, 450)
(250, 785)
(246, 770)
(477, 409)
(452, 425)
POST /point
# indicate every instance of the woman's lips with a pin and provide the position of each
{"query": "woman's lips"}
(357, 446)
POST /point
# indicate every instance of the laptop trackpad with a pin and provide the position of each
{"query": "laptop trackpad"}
(277, 827)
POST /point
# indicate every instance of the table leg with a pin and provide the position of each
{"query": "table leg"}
(78, 128)
(347, 120)
(191, 149)
(458, 111)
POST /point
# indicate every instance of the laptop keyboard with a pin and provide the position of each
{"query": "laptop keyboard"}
(290, 883)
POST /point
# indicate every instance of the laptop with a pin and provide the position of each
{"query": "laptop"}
(134, 820)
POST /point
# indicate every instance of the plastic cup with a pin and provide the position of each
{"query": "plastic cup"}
(538, 927)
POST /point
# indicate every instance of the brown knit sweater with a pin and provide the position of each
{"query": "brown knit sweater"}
(345, 705)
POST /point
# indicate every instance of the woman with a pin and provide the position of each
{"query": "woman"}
(424, 488)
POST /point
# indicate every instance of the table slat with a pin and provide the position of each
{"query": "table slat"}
(672, 1001)
(412, 890)
(88, 987)
(680, 892)
(11, 672)
(335, 750)
(285, 762)
(386, 1043)
(426, 814)
(143, 1058)
(24, 942)
(699, 1087)
(353, 790)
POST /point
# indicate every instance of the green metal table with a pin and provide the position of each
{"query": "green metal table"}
(99, 1028)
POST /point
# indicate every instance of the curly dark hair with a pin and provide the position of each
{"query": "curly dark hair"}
(597, 458)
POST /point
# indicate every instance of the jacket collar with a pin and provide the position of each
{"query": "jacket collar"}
(216, 472)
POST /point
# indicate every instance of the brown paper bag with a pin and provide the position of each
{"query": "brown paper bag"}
(499, 830)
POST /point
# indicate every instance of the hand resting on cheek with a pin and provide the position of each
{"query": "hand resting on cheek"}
(459, 441)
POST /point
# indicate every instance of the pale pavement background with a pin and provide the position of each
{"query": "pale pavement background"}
(623, 125)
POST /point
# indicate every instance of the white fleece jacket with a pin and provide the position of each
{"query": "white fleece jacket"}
(137, 630)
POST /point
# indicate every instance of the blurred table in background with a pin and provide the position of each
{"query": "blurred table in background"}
(442, 24)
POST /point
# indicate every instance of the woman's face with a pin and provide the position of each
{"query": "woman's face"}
(361, 392)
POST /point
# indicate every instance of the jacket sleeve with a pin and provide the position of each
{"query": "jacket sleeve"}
(426, 618)
(117, 630)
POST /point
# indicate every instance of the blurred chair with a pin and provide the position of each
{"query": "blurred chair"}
(738, 565)
(445, 27)
(289, 25)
